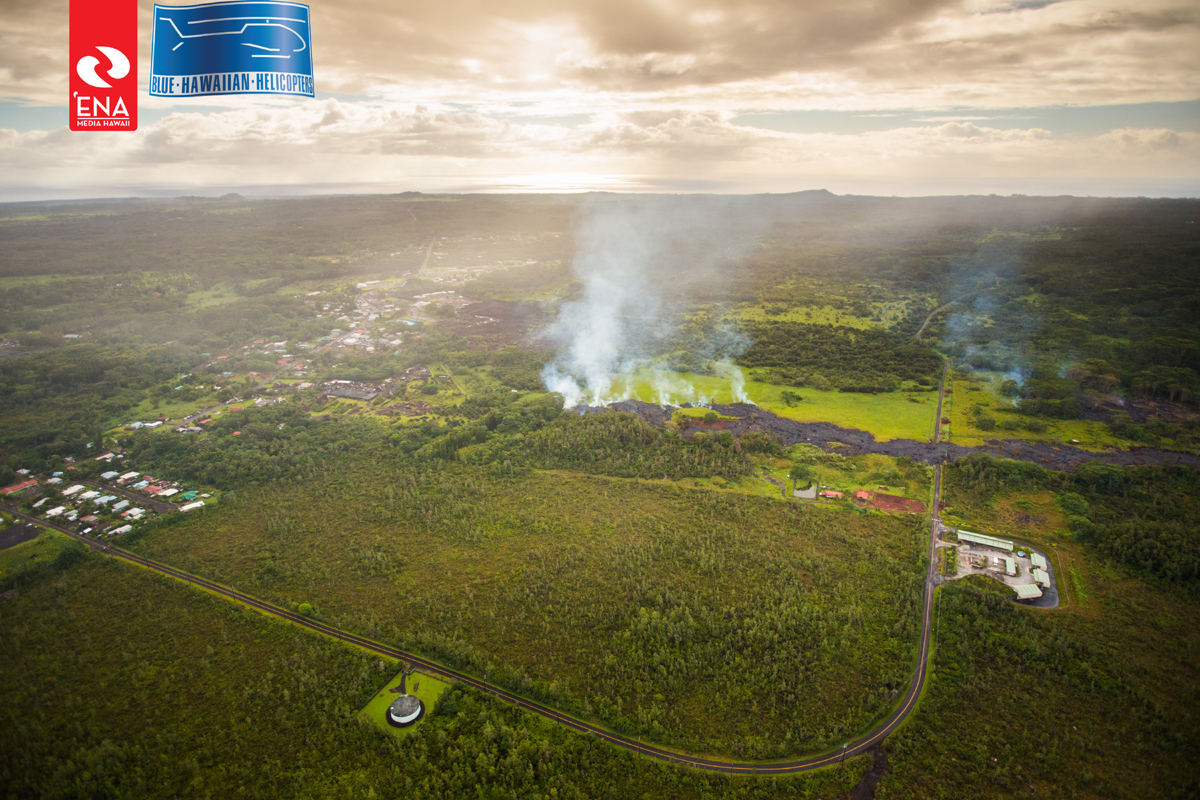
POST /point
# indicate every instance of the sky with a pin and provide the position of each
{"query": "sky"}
(885, 97)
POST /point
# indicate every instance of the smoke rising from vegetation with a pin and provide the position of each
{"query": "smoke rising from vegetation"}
(636, 259)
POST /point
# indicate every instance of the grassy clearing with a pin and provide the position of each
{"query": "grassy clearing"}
(42, 550)
(426, 687)
(967, 395)
(213, 296)
(891, 415)
(626, 601)
(878, 314)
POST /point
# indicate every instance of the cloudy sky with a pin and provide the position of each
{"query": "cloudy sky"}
(906, 97)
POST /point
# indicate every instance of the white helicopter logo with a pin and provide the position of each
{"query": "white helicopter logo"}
(86, 67)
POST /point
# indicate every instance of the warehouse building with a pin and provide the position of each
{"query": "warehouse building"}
(986, 541)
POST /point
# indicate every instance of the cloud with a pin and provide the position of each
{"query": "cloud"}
(370, 144)
(613, 55)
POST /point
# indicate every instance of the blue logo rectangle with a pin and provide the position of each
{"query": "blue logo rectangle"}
(231, 48)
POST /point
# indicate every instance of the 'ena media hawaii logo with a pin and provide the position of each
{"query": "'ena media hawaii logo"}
(103, 79)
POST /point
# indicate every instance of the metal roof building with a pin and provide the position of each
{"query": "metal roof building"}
(986, 541)
(1027, 591)
(1041, 576)
(1037, 560)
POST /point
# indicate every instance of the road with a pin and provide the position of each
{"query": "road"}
(860, 745)
(853, 748)
(159, 506)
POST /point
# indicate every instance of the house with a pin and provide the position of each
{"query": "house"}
(20, 487)
(54, 481)
(72, 490)
(188, 495)
(121, 505)
(105, 500)
(56, 511)
(831, 495)
(168, 492)
(191, 506)
(862, 494)
(128, 476)
(120, 530)
(108, 476)
(89, 495)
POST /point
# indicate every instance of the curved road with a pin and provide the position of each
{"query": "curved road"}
(857, 746)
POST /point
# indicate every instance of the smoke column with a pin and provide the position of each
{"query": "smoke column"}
(630, 253)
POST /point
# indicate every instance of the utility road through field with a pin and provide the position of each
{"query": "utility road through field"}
(855, 747)
(860, 745)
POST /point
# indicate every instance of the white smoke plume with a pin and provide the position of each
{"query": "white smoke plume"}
(737, 381)
(631, 253)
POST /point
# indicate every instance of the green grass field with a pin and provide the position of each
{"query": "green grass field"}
(42, 550)
(966, 395)
(891, 415)
(629, 602)
(426, 687)
(888, 314)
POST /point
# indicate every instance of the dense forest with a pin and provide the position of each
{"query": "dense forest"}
(852, 360)
(166, 666)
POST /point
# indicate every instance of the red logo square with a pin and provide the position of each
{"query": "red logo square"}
(104, 84)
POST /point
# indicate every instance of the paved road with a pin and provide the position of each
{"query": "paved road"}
(853, 748)
(159, 506)
(857, 746)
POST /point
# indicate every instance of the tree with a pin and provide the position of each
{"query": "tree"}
(800, 473)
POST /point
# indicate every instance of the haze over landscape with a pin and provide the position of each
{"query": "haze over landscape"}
(609, 400)
(1084, 97)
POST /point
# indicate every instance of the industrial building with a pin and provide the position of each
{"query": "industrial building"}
(986, 541)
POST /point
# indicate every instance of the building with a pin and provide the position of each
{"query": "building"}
(20, 487)
(120, 530)
(190, 506)
(121, 505)
(72, 490)
(1038, 560)
(1010, 566)
(832, 495)
(405, 710)
(1041, 576)
(985, 541)
(862, 494)
(108, 476)
(1027, 591)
